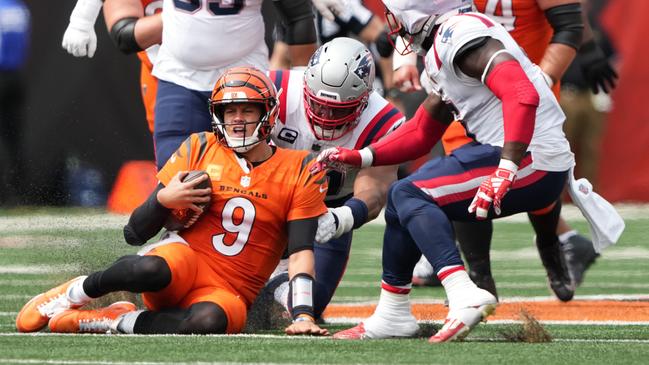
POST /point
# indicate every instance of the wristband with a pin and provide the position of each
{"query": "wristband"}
(300, 296)
(359, 211)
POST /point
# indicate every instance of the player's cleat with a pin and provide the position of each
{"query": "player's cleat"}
(579, 254)
(378, 328)
(559, 278)
(464, 315)
(266, 313)
(89, 320)
(37, 312)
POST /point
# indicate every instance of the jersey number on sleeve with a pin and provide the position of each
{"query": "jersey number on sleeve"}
(241, 227)
(215, 7)
(506, 16)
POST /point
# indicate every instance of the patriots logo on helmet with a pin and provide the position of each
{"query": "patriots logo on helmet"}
(315, 59)
(364, 68)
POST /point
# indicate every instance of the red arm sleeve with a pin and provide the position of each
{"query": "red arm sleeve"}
(411, 140)
(519, 97)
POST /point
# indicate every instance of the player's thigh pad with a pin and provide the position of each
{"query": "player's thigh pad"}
(183, 263)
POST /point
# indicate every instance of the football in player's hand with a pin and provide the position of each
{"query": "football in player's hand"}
(180, 219)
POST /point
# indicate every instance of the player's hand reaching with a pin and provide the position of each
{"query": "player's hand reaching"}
(406, 78)
(493, 190)
(184, 195)
(334, 223)
(337, 158)
(329, 8)
(306, 327)
(79, 38)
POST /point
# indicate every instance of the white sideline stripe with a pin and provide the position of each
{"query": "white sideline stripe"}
(510, 285)
(352, 320)
(35, 269)
(8, 314)
(517, 299)
(82, 362)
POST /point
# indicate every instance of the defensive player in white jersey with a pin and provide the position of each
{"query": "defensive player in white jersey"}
(479, 75)
(329, 104)
(201, 39)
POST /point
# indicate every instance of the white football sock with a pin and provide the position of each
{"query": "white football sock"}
(564, 237)
(392, 317)
(76, 294)
(456, 284)
(126, 322)
(392, 305)
(281, 294)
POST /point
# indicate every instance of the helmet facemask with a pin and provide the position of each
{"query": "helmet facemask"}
(245, 143)
(331, 119)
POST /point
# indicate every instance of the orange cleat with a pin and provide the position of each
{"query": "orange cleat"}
(89, 320)
(37, 312)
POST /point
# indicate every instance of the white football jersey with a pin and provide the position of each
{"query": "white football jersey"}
(294, 132)
(478, 108)
(203, 38)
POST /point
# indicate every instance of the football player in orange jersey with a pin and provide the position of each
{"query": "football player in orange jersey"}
(134, 26)
(203, 279)
(550, 32)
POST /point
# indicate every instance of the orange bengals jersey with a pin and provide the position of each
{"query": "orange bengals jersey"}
(148, 83)
(243, 234)
(525, 21)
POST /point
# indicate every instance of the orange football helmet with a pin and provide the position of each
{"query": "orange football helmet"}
(244, 85)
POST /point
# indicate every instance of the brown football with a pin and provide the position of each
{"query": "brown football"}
(179, 218)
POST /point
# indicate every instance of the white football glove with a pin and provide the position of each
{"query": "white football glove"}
(79, 38)
(327, 227)
(329, 8)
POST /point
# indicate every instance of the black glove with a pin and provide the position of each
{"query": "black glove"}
(596, 69)
(383, 44)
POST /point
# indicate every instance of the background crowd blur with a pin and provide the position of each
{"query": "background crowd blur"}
(69, 124)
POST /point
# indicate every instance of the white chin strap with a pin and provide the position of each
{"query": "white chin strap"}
(237, 144)
(329, 133)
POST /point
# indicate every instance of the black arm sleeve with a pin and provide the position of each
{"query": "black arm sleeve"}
(123, 35)
(567, 24)
(297, 16)
(146, 220)
(301, 234)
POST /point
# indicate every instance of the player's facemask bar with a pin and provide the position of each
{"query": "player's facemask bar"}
(329, 119)
(243, 144)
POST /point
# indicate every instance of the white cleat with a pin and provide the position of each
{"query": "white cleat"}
(380, 328)
(464, 315)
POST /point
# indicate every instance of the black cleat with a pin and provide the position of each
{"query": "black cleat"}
(558, 275)
(579, 254)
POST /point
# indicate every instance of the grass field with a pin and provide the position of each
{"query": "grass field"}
(607, 323)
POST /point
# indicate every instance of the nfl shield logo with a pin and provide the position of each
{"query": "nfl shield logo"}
(245, 181)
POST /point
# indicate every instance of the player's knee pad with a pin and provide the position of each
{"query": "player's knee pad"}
(205, 318)
(152, 270)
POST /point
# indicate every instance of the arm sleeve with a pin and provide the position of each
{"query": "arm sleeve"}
(146, 220)
(301, 234)
(421, 132)
(519, 99)
(567, 23)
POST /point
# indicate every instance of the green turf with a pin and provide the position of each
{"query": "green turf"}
(35, 259)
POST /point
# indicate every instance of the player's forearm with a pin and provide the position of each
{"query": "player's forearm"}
(146, 220)
(301, 262)
(371, 186)
(301, 53)
(372, 30)
(556, 60)
(148, 31)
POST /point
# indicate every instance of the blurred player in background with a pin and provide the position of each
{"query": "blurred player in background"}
(550, 32)
(202, 279)
(332, 103)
